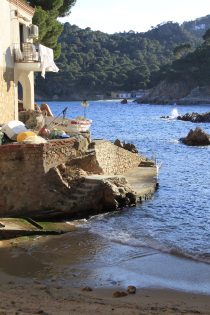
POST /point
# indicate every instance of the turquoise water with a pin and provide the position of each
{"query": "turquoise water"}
(177, 219)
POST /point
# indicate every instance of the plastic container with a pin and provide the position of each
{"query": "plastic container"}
(23, 135)
(13, 128)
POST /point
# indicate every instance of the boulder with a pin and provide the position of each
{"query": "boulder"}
(117, 193)
(32, 119)
(131, 289)
(196, 137)
(118, 143)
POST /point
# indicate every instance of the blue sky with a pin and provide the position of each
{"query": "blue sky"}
(138, 15)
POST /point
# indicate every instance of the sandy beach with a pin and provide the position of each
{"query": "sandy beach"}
(48, 275)
(35, 297)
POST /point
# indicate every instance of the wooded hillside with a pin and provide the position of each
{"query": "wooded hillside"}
(93, 62)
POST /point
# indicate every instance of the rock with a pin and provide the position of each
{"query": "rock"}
(130, 147)
(124, 101)
(87, 289)
(127, 146)
(195, 117)
(164, 117)
(167, 92)
(32, 119)
(131, 289)
(118, 143)
(196, 137)
(118, 294)
(117, 193)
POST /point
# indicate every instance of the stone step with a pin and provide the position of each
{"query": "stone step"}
(93, 180)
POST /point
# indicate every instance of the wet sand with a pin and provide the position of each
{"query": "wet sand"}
(45, 275)
(22, 298)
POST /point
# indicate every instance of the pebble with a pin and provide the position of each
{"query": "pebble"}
(118, 294)
(131, 289)
(87, 289)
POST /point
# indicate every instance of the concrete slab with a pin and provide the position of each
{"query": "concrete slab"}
(16, 224)
(142, 179)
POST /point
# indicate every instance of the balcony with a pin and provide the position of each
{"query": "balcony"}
(34, 58)
(27, 59)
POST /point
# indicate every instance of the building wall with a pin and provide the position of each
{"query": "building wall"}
(7, 88)
(11, 15)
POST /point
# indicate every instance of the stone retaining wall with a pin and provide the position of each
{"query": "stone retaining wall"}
(26, 174)
(113, 159)
(31, 182)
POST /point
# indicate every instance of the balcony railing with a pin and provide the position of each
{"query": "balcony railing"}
(28, 53)
(37, 58)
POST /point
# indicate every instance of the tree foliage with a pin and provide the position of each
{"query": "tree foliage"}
(194, 67)
(46, 14)
(93, 62)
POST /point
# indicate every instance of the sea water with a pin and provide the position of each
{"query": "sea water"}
(177, 219)
(175, 222)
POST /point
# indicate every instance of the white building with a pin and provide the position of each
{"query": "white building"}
(19, 58)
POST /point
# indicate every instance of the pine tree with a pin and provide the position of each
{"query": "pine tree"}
(46, 14)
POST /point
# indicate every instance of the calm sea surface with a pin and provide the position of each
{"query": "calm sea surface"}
(177, 219)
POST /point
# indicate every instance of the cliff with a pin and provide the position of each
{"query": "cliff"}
(181, 92)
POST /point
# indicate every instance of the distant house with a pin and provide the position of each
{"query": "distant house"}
(19, 58)
(139, 93)
(127, 95)
(120, 95)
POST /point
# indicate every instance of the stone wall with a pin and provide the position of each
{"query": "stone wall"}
(61, 151)
(115, 160)
(7, 95)
(27, 175)
(34, 182)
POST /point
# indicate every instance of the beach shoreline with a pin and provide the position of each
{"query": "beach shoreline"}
(36, 297)
(42, 277)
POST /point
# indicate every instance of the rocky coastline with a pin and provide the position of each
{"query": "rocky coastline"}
(195, 117)
(181, 93)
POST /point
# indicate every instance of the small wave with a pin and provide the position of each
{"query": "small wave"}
(175, 141)
(128, 239)
(155, 245)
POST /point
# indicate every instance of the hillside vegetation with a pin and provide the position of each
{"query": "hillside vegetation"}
(93, 62)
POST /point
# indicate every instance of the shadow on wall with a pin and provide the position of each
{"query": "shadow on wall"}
(8, 74)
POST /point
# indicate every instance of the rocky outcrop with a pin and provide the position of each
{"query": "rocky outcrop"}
(181, 93)
(167, 92)
(195, 117)
(198, 95)
(196, 137)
